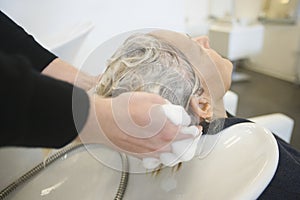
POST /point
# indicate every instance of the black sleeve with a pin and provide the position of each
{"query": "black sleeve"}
(36, 110)
(14, 40)
(286, 182)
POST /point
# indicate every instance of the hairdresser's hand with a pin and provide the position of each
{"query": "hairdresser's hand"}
(132, 122)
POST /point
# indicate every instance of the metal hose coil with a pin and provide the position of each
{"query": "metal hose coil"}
(35, 170)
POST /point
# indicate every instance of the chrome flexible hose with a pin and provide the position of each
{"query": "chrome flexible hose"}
(35, 170)
(124, 177)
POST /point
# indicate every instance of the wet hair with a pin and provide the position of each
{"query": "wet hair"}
(146, 63)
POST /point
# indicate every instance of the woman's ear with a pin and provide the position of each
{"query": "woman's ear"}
(202, 108)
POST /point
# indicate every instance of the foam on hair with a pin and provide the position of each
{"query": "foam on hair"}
(145, 63)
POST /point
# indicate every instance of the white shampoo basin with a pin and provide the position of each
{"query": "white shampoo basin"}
(240, 166)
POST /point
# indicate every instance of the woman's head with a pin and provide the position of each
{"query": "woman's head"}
(165, 63)
(146, 63)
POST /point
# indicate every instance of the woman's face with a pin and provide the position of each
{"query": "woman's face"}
(224, 65)
(213, 70)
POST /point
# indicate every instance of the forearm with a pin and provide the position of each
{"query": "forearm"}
(62, 70)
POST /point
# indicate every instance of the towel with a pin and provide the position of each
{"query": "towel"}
(182, 150)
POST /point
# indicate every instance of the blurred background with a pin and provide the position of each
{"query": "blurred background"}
(261, 38)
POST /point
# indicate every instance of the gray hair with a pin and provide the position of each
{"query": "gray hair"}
(146, 63)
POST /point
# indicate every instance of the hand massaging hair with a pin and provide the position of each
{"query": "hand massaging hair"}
(146, 63)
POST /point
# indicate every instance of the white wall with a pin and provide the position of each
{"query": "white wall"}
(47, 19)
(220, 8)
(280, 54)
(196, 14)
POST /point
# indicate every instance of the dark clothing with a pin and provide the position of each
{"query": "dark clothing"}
(15, 41)
(286, 181)
(36, 110)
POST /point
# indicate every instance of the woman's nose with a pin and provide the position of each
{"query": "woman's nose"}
(203, 41)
